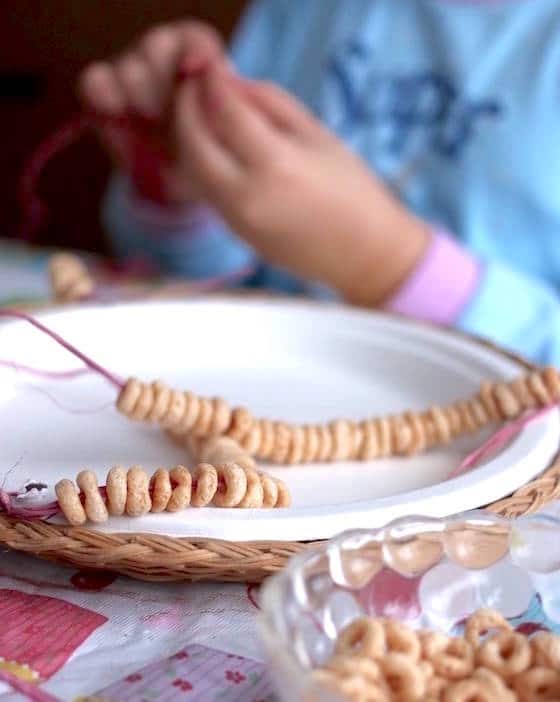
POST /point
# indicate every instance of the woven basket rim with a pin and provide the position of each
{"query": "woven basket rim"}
(167, 558)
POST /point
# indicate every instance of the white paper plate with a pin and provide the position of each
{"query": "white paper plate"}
(286, 360)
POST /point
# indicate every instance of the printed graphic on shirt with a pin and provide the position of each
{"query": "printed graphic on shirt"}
(422, 109)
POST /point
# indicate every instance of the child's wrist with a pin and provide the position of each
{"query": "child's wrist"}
(389, 261)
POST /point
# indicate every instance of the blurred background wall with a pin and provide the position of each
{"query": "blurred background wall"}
(44, 44)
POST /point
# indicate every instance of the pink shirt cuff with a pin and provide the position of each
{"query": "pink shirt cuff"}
(441, 285)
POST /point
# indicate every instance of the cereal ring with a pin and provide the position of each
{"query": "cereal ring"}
(267, 438)
(401, 639)
(418, 443)
(297, 445)
(284, 498)
(206, 478)
(356, 438)
(363, 637)
(550, 376)
(435, 686)
(325, 443)
(161, 395)
(383, 428)
(251, 442)
(223, 449)
(161, 490)
(270, 490)
(427, 669)
(181, 481)
(69, 278)
(349, 687)
(70, 503)
(369, 448)
(138, 500)
(144, 403)
(175, 411)
(128, 396)
(190, 412)
(254, 494)
(546, 650)
(537, 685)
(539, 389)
(432, 642)
(204, 419)
(403, 676)
(353, 665)
(235, 484)
(471, 690)
(507, 653)
(441, 424)
(455, 660)
(494, 683)
(221, 416)
(282, 442)
(341, 439)
(507, 402)
(241, 423)
(94, 504)
(482, 621)
(402, 435)
(116, 489)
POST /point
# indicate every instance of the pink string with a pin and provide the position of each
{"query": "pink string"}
(29, 690)
(41, 373)
(499, 440)
(73, 410)
(112, 378)
(10, 506)
(34, 209)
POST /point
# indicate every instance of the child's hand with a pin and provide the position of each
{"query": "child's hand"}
(137, 90)
(292, 189)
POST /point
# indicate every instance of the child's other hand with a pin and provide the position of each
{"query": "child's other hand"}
(132, 97)
(292, 189)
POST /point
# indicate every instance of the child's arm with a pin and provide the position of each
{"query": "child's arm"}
(307, 203)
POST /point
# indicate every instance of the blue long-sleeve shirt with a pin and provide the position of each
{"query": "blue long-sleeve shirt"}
(453, 104)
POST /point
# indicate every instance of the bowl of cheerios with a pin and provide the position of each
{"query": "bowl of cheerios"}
(463, 609)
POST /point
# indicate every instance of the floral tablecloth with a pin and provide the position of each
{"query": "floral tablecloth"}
(70, 635)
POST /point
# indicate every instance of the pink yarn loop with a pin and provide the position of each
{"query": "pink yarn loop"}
(42, 373)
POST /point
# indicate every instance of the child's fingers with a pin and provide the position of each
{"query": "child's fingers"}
(200, 45)
(250, 137)
(138, 84)
(213, 166)
(281, 108)
(100, 90)
(161, 49)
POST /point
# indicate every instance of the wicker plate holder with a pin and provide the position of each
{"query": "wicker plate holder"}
(165, 558)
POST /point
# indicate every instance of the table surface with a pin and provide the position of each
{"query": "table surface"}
(74, 634)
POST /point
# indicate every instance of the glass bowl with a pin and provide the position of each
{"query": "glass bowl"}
(429, 573)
